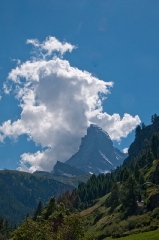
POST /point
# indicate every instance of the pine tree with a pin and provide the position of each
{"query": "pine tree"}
(154, 118)
(114, 197)
(137, 172)
(126, 174)
(38, 211)
(149, 158)
(141, 178)
(137, 130)
(143, 126)
(50, 208)
(154, 144)
(128, 196)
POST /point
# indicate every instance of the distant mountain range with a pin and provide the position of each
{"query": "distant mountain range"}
(96, 154)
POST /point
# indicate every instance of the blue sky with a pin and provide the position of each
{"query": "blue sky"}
(115, 41)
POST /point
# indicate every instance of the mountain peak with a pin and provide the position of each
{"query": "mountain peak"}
(95, 129)
(96, 153)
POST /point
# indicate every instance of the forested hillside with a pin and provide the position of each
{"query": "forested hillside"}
(144, 142)
(141, 165)
(106, 204)
(20, 192)
(120, 190)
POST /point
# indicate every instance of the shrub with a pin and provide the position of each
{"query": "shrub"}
(132, 222)
(155, 213)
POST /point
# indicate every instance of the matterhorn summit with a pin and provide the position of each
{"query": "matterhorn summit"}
(96, 153)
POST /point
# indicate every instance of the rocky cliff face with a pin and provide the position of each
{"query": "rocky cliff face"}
(96, 153)
(63, 169)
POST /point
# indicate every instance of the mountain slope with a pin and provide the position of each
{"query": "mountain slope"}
(20, 193)
(142, 140)
(101, 223)
(65, 175)
(96, 153)
(63, 169)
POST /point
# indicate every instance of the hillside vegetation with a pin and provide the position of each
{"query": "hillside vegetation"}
(153, 235)
(73, 180)
(100, 222)
(117, 214)
(105, 207)
(20, 193)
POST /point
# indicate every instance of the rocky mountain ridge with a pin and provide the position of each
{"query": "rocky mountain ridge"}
(63, 169)
(96, 153)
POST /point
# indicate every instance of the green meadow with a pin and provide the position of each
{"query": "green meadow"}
(153, 235)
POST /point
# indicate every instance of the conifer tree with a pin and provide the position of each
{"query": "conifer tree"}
(141, 178)
(137, 172)
(126, 174)
(114, 197)
(38, 211)
(154, 118)
(49, 209)
(154, 144)
(128, 196)
(149, 158)
(137, 130)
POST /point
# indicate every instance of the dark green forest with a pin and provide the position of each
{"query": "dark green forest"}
(20, 193)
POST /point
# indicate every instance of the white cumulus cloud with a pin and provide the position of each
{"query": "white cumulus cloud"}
(51, 44)
(58, 102)
(125, 150)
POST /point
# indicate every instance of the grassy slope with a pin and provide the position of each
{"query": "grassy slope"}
(153, 235)
(99, 222)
